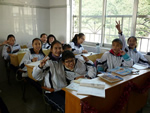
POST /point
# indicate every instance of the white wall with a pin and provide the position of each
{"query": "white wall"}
(60, 19)
(24, 22)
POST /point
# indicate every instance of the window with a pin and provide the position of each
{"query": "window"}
(96, 19)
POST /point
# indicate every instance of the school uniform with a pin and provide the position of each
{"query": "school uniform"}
(29, 56)
(133, 53)
(81, 68)
(76, 49)
(13, 49)
(110, 61)
(45, 46)
(54, 77)
(49, 46)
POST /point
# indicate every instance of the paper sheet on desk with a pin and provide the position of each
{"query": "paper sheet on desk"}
(139, 66)
(91, 91)
(73, 86)
(34, 63)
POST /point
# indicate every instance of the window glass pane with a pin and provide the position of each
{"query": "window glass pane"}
(91, 20)
(143, 25)
(118, 10)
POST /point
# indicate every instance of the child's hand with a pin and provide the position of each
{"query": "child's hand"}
(85, 58)
(79, 77)
(5, 42)
(122, 52)
(84, 51)
(34, 59)
(43, 62)
(118, 26)
(8, 50)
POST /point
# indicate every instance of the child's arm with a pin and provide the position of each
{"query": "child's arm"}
(127, 61)
(121, 36)
(101, 64)
(5, 53)
(91, 69)
(5, 42)
(38, 71)
(77, 51)
(143, 60)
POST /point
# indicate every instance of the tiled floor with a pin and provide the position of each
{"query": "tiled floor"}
(12, 96)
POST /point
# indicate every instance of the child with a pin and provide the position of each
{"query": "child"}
(76, 44)
(76, 68)
(114, 58)
(67, 47)
(34, 54)
(10, 47)
(52, 71)
(51, 38)
(43, 38)
(131, 49)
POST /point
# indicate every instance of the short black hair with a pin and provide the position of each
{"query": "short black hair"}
(36, 39)
(10, 35)
(43, 34)
(132, 37)
(53, 43)
(67, 54)
(65, 46)
(118, 41)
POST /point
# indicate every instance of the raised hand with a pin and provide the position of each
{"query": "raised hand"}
(85, 58)
(118, 26)
(122, 52)
(43, 62)
(5, 42)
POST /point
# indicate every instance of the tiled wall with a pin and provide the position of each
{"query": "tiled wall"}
(24, 22)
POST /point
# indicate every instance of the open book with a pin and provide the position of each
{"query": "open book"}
(121, 71)
(110, 77)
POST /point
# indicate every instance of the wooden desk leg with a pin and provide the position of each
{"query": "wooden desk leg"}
(72, 103)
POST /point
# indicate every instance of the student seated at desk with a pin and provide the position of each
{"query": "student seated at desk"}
(34, 54)
(131, 49)
(43, 38)
(10, 48)
(51, 38)
(76, 44)
(52, 71)
(77, 68)
(114, 58)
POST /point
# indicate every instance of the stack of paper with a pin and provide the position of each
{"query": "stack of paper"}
(93, 87)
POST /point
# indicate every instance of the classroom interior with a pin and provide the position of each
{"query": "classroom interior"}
(28, 19)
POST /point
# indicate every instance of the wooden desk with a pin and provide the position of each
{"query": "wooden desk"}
(14, 60)
(46, 51)
(30, 68)
(113, 93)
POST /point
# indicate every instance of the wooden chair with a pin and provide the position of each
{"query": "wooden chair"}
(94, 57)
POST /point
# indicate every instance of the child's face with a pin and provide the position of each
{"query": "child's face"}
(11, 41)
(80, 40)
(69, 63)
(57, 49)
(132, 43)
(37, 45)
(51, 39)
(116, 47)
(44, 38)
